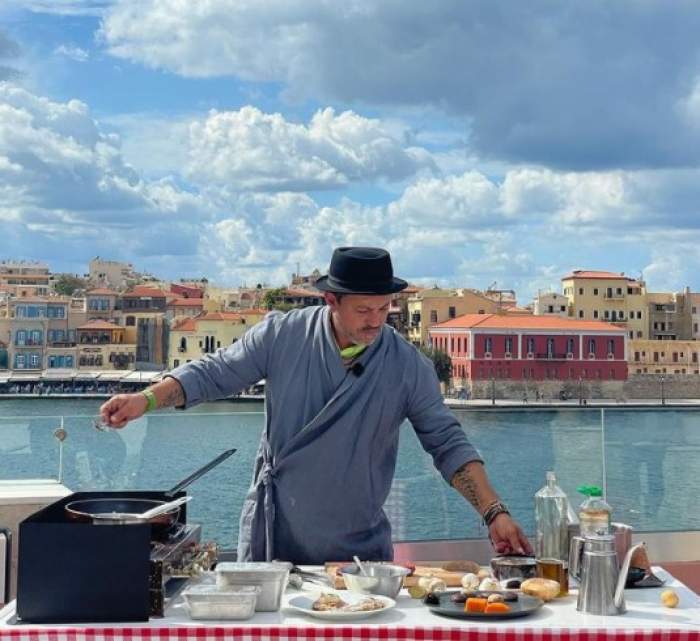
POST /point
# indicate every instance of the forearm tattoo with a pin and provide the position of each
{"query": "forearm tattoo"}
(173, 397)
(465, 484)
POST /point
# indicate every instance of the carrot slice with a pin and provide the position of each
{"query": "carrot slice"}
(493, 608)
(475, 604)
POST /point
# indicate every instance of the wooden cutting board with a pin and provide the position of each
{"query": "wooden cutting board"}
(451, 579)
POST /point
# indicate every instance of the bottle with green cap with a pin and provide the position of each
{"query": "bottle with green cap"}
(594, 513)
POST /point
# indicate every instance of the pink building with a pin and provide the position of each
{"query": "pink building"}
(500, 346)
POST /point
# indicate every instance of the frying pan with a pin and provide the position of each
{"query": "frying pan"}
(121, 510)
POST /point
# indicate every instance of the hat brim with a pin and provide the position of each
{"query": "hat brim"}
(328, 284)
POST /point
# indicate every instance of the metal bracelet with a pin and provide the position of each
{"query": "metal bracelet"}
(493, 510)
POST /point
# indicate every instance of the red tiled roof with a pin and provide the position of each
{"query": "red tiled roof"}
(524, 321)
(186, 302)
(143, 290)
(187, 325)
(102, 291)
(220, 316)
(256, 312)
(291, 291)
(99, 324)
(585, 273)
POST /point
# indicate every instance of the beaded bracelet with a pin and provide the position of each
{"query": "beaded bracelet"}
(492, 510)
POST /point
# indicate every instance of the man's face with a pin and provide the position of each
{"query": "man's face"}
(358, 318)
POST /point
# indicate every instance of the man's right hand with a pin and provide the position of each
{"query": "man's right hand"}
(122, 408)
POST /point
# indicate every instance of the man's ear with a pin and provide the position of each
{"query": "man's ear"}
(330, 299)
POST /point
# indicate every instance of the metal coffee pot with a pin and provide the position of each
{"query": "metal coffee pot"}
(593, 562)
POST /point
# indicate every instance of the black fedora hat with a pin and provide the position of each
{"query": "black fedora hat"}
(361, 270)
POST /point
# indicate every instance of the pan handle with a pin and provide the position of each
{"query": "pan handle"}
(200, 472)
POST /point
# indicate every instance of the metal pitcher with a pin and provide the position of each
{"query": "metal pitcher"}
(602, 581)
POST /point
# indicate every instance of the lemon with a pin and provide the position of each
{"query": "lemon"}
(417, 591)
(669, 598)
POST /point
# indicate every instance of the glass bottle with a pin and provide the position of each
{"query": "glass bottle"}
(552, 522)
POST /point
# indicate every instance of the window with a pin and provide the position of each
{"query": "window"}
(509, 345)
(608, 293)
(433, 316)
(530, 344)
(595, 313)
(550, 309)
(550, 348)
(656, 357)
(452, 344)
(562, 308)
(580, 313)
(695, 357)
(37, 337)
(639, 315)
(619, 291)
(631, 334)
(607, 314)
(21, 337)
(481, 311)
(183, 344)
(636, 357)
(452, 312)
(34, 360)
(130, 321)
(488, 344)
(695, 310)
(591, 345)
(69, 361)
(675, 357)
(639, 334)
(595, 291)
(695, 328)
(570, 345)
(580, 291)
(20, 361)
(611, 346)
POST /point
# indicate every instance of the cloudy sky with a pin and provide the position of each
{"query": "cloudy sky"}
(480, 142)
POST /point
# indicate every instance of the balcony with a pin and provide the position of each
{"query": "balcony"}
(613, 296)
(551, 357)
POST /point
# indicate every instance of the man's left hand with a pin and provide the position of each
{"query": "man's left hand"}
(507, 537)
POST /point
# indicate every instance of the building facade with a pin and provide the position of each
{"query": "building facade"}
(429, 307)
(664, 357)
(192, 338)
(552, 304)
(609, 297)
(102, 345)
(535, 348)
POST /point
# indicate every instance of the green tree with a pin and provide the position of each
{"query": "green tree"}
(272, 299)
(66, 284)
(442, 363)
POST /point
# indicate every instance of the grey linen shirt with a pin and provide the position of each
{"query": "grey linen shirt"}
(327, 455)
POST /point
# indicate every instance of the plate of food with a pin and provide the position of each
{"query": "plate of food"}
(340, 607)
(482, 605)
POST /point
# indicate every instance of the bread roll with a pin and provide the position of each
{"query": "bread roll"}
(544, 589)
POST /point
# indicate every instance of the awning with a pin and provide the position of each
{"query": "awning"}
(141, 377)
(58, 374)
(24, 377)
(114, 375)
(87, 376)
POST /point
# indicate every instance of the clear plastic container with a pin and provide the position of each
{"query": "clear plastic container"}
(551, 518)
(594, 514)
(271, 577)
(207, 601)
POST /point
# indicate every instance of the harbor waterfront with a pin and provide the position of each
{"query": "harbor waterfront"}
(647, 459)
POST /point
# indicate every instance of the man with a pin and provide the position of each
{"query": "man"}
(339, 383)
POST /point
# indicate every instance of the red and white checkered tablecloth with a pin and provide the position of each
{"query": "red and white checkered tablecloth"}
(346, 633)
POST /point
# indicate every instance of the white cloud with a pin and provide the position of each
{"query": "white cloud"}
(62, 7)
(571, 85)
(72, 52)
(251, 150)
(66, 188)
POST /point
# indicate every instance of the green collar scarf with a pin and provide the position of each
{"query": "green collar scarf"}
(352, 352)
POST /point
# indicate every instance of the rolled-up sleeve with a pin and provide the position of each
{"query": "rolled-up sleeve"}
(230, 369)
(437, 428)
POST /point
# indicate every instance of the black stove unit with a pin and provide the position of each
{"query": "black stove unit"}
(82, 572)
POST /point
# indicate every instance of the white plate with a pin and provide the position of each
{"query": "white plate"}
(303, 603)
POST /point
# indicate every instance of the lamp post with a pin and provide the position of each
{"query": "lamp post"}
(663, 395)
(580, 391)
(493, 391)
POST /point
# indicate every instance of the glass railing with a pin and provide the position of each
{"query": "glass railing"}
(648, 461)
